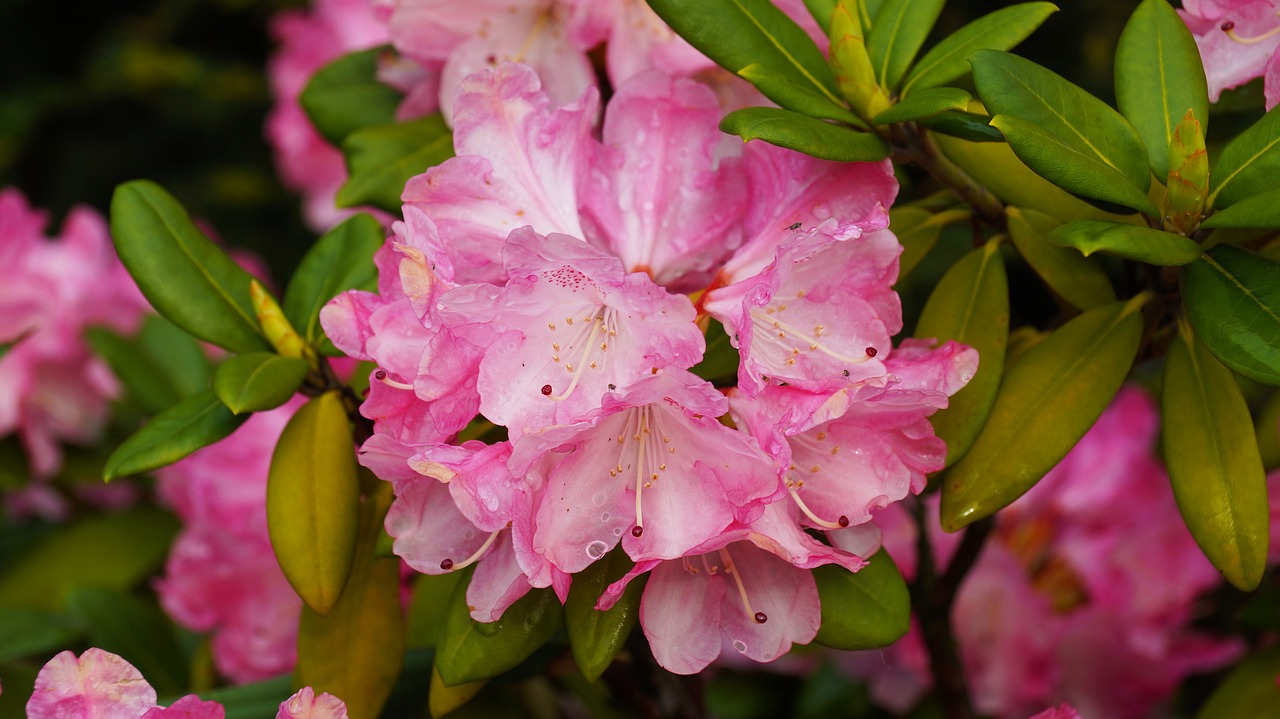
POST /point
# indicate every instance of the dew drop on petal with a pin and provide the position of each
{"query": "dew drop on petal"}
(468, 534)
(596, 549)
(605, 517)
(966, 376)
(617, 531)
(740, 645)
(598, 499)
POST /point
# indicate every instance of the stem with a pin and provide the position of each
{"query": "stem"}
(914, 145)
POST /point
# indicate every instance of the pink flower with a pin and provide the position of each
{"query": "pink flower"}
(1239, 40)
(307, 705)
(1062, 711)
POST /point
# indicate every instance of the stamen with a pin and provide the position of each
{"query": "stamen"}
(582, 363)
(770, 323)
(1229, 28)
(381, 376)
(731, 568)
(474, 557)
(842, 522)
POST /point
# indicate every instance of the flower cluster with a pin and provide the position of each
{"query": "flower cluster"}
(1097, 559)
(101, 685)
(556, 282)
(1239, 40)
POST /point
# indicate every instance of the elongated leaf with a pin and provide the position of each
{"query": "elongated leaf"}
(142, 375)
(115, 551)
(821, 11)
(136, 630)
(867, 609)
(341, 260)
(966, 126)
(26, 632)
(184, 276)
(1000, 30)
(1132, 242)
(850, 63)
(1061, 163)
(469, 651)
(1159, 77)
(443, 699)
(381, 158)
(1077, 280)
(1188, 184)
(1062, 132)
(970, 305)
(1047, 402)
(182, 360)
(801, 98)
(918, 230)
(1213, 461)
(356, 650)
(313, 501)
(896, 34)
(1248, 165)
(596, 636)
(258, 381)
(195, 422)
(260, 700)
(345, 95)
(1249, 691)
(431, 594)
(738, 33)
(1257, 211)
(1232, 298)
(794, 131)
(925, 103)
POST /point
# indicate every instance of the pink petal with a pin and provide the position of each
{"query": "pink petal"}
(96, 685)
(680, 616)
(306, 705)
(188, 707)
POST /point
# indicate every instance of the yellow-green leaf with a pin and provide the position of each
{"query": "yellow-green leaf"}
(1213, 460)
(195, 422)
(1000, 30)
(442, 699)
(313, 501)
(1132, 242)
(258, 381)
(850, 63)
(802, 133)
(1078, 280)
(1250, 691)
(1047, 402)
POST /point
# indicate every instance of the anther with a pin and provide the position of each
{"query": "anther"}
(872, 352)
(843, 521)
(761, 617)
(637, 531)
(1229, 28)
(546, 390)
(446, 564)
(381, 375)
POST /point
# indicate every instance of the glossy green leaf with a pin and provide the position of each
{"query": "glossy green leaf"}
(184, 276)
(970, 305)
(738, 33)
(1065, 134)
(1213, 461)
(1046, 403)
(470, 651)
(794, 131)
(1132, 242)
(1003, 29)
(114, 551)
(1232, 297)
(867, 609)
(1248, 165)
(142, 375)
(596, 636)
(258, 381)
(720, 362)
(1075, 279)
(918, 230)
(1188, 183)
(925, 103)
(1250, 691)
(182, 359)
(138, 631)
(1159, 77)
(428, 609)
(260, 700)
(313, 501)
(443, 699)
(341, 260)
(966, 126)
(1257, 211)
(195, 422)
(897, 31)
(850, 63)
(801, 98)
(356, 650)
(382, 158)
(27, 632)
(345, 95)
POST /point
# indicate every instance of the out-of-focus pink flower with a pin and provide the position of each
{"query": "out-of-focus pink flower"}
(1062, 711)
(1238, 40)
(188, 707)
(306, 704)
(222, 576)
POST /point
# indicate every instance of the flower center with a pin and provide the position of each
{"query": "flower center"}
(810, 444)
(769, 324)
(727, 565)
(586, 348)
(641, 448)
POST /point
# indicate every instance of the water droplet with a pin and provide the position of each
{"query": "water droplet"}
(596, 549)
(821, 211)
(966, 376)
(468, 534)
(740, 645)
(598, 499)
(605, 517)
(617, 531)
(531, 277)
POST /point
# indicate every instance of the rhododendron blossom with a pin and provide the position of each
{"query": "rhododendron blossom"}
(1239, 40)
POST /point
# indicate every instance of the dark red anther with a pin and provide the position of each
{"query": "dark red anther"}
(446, 564)
(546, 390)
(637, 531)
(380, 375)
(761, 617)
(872, 352)
(843, 521)
(1228, 26)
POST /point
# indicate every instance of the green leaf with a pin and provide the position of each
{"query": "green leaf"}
(738, 33)
(966, 126)
(26, 632)
(260, 700)
(925, 103)
(1000, 30)
(356, 650)
(1065, 134)
(970, 305)
(431, 594)
(720, 362)
(258, 381)
(1159, 77)
(442, 699)
(1249, 691)
(184, 276)
(382, 158)
(20, 678)
(113, 551)
(313, 501)
(1047, 401)
(1248, 165)
(142, 376)
(1213, 461)
(1132, 242)
(1257, 211)
(918, 230)
(136, 630)
(896, 34)
(867, 609)
(794, 131)
(821, 11)
(181, 357)
(801, 98)
(341, 260)
(596, 636)
(850, 63)
(1188, 182)
(1075, 279)
(470, 651)
(195, 422)
(1232, 298)
(345, 95)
